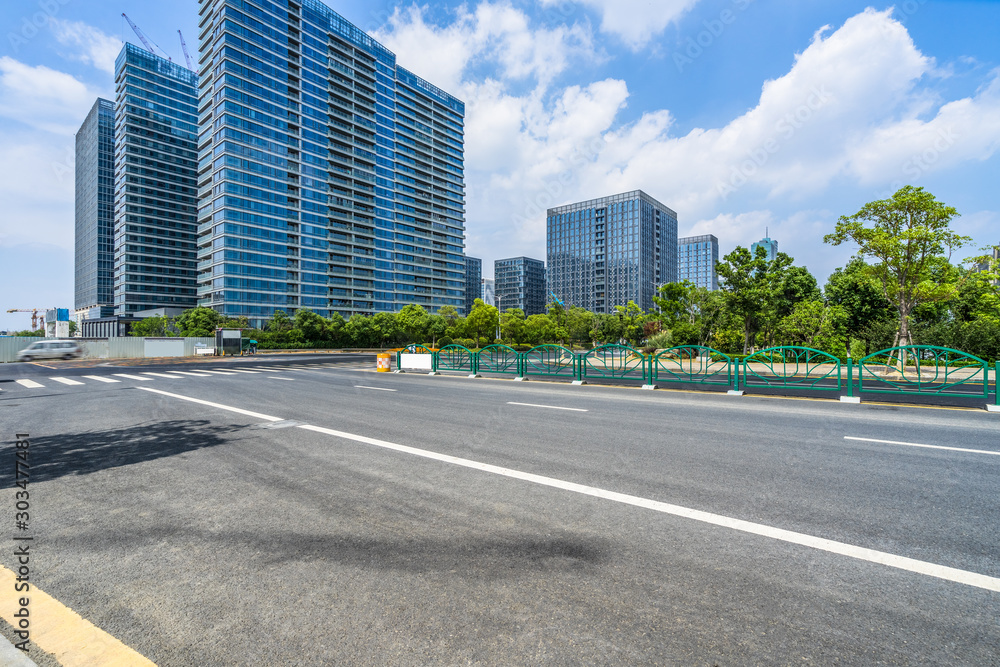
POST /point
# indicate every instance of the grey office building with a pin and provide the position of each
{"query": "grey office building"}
(606, 252)
(519, 282)
(696, 260)
(156, 132)
(473, 281)
(331, 177)
(95, 213)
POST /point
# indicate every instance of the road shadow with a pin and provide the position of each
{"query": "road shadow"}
(55, 456)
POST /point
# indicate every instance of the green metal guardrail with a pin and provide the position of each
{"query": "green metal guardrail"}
(613, 361)
(551, 361)
(455, 358)
(692, 364)
(792, 366)
(934, 371)
(498, 359)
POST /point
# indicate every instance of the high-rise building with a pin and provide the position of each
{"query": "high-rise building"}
(769, 244)
(95, 213)
(156, 158)
(606, 252)
(473, 281)
(696, 260)
(332, 177)
(520, 283)
(489, 292)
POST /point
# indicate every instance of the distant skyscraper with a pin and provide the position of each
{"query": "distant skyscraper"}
(473, 281)
(696, 260)
(606, 252)
(769, 244)
(156, 159)
(489, 292)
(520, 283)
(95, 213)
(333, 178)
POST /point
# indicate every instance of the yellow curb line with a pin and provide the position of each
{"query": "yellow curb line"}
(56, 629)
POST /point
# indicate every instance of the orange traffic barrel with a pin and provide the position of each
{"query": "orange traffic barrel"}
(383, 363)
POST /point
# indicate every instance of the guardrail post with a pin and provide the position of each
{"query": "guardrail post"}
(736, 391)
(578, 369)
(996, 388)
(851, 398)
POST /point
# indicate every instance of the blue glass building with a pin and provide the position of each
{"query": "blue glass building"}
(156, 129)
(769, 245)
(606, 252)
(473, 282)
(519, 282)
(95, 213)
(696, 260)
(330, 177)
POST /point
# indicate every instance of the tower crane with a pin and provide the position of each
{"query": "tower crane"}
(187, 56)
(34, 315)
(138, 33)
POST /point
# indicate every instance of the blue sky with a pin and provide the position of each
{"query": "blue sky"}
(739, 114)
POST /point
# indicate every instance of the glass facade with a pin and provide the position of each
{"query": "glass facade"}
(473, 281)
(606, 252)
(696, 260)
(156, 131)
(95, 212)
(488, 292)
(519, 282)
(769, 244)
(330, 177)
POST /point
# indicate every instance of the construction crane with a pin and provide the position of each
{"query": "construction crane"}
(187, 56)
(34, 315)
(558, 300)
(138, 33)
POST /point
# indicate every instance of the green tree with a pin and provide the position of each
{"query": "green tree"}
(156, 326)
(280, 322)
(579, 322)
(905, 234)
(201, 322)
(512, 326)
(437, 326)
(414, 321)
(311, 325)
(632, 319)
(483, 320)
(72, 327)
(750, 288)
(869, 314)
(539, 329)
(817, 325)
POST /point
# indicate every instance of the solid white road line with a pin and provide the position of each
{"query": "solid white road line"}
(241, 411)
(358, 386)
(133, 377)
(913, 444)
(236, 370)
(65, 380)
(550, 407)
(271, 377)
(860, 553)
(197, 375)
(100, 378)
(30, 384)
(163, 375)
(218, 372)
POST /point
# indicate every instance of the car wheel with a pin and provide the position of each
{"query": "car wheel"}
(27, 357)
(67, 356)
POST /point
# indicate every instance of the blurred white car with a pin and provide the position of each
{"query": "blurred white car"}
(51, 349)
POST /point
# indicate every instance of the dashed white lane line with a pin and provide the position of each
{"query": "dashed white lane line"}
(65, 380)
(272, 377)
(197, 375)
(248, 413)
(100, 378)
(550, 407)
(914, 444)
(218, 372)
(133, 377)
(30, 384)
(162, 375)
(358, 386)
(822, 544)
(236, 370)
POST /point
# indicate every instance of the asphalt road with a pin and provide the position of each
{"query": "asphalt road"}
(202, 536)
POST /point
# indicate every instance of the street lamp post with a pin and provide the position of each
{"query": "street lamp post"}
(499, 299)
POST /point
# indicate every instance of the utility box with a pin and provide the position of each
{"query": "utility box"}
(228, 341)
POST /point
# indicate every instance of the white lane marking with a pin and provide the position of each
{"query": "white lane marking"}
(100, 378)
(162, 375)
(30, 384)
(134, 377)
(860, 553)
(550, 407)
(914, 444)
(358, 386)
(65, 380)
(241, 411)
(822, 544)
(271, 377)
(236, 370)
(197, 375)
(218, 372)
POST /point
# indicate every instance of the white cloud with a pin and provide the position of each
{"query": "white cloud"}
(43, 98)
(37, 189)
(93, 46)
(634, 21)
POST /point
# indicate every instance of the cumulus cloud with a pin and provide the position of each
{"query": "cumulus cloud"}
(91, 45)
(635, 22)
(42, 97)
